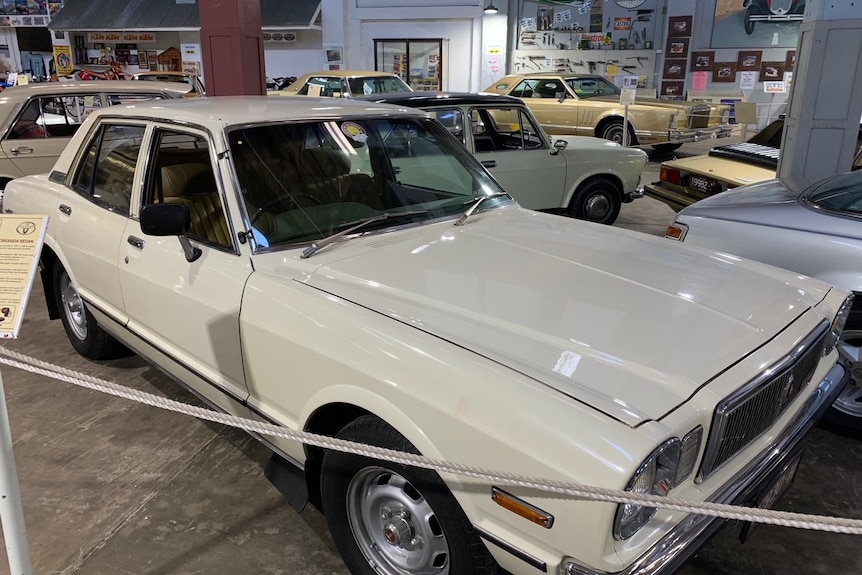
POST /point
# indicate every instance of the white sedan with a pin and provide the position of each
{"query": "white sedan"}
(817, 232)
(349, 269)
(578, 176)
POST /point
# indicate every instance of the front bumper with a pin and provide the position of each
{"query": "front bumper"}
(683, 136)
(776, 17)
(680, 544)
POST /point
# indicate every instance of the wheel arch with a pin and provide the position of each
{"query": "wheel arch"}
(612, 117)
(586, 179)
(47, 261)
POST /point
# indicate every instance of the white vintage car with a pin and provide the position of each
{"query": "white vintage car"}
(579, 176)
(350, 269)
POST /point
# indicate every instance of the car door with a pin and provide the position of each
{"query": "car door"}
(91, 217)
(189, 311)
(515, 151)
(41, 130)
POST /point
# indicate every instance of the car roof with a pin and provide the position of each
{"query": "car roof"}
(244, 110)
(429, 99)
(348, 74)
(89, 86)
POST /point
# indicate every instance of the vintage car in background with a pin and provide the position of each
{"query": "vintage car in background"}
(684, 181)
(37, 120)
(772, 11)
(589, 105)
(197, 87)
(582, 177)
(817, 232)
(344, 84)
(350, 269)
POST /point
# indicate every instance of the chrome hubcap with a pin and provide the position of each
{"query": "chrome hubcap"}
(850, 400)
(597, 207)
(73, 307)
(394, 525)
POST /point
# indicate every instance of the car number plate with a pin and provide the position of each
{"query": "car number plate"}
(781, 484)
(699, 184)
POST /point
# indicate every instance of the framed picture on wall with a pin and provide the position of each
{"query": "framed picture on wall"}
(142, 59)
(749, 60)
(675, 69)
(679, 26)
(672, 89)
(701, 61)
(771, 71)
(790, 61)
(724, 72)
(677, 47)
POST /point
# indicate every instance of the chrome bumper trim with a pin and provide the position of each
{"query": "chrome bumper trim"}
(696, 135)
(776, 17)
(692, 533)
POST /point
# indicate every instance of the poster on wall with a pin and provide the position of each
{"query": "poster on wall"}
(763, 24)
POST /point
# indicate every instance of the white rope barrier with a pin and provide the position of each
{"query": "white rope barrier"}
(585, 492)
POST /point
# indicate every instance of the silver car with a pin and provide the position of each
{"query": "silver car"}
(817, 233)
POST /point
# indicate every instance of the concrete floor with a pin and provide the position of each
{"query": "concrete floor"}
(114, 487)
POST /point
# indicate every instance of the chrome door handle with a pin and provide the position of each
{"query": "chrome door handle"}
(137, 242)
(489, 163)
(21, 150)
(66, 209)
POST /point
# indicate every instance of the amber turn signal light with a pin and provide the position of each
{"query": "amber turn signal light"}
(520, 507)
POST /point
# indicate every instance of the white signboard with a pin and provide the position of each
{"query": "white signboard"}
(21, 238)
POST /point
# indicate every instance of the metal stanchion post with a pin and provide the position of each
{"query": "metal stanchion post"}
(626, 126)
(11, 510)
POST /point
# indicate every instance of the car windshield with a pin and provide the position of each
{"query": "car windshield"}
(301, 182)
(592, 87)
(377, 85)
(840, 194)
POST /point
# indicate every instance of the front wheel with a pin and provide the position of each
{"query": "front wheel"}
(598, 200)
(749, 24)
(390, 519)
(83, 332)
(845, 414)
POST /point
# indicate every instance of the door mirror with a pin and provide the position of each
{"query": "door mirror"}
(165, 220)
(559, 146)
(170, 220)
(560, 96)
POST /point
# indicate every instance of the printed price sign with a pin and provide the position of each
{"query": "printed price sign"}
(21, 238)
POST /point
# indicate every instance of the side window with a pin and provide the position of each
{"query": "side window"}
(453, 120)
(107, 171)
(182, 173)
(53, 116)
(525, 89)
(504, 129)
(115, 99)
(322, 86)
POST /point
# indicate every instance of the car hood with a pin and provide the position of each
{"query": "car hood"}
(732, 172)
(629, 324)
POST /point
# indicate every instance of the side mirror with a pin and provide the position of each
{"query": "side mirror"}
(560, 96)
(170, 220)
(559, 146)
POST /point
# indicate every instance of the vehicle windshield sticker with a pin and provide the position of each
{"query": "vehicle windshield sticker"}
(354, 131)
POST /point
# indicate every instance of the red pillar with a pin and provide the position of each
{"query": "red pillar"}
(232, 47)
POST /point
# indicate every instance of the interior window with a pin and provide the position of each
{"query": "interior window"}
(453, 119)
(108, 170)
(182, 173)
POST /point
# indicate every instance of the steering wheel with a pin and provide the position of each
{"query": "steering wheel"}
(288, 198)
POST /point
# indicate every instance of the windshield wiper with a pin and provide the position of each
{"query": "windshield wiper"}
(354, 226)
(476, 203)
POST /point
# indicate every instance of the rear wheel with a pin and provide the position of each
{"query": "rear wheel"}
(598, 200)
(83, 332)
(390, 519)
(613, 130)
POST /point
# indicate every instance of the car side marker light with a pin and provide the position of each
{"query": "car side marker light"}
(520, 507)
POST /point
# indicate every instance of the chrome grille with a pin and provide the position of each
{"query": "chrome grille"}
(742, 417)
(698, 117)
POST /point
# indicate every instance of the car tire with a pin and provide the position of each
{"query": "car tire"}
(613, 131)
(749, 24)
(597, 200)
(400, 518)
(666, 148)
(85, 335)
(845, 414)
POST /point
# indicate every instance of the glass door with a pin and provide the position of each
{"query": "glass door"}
(417, 62)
